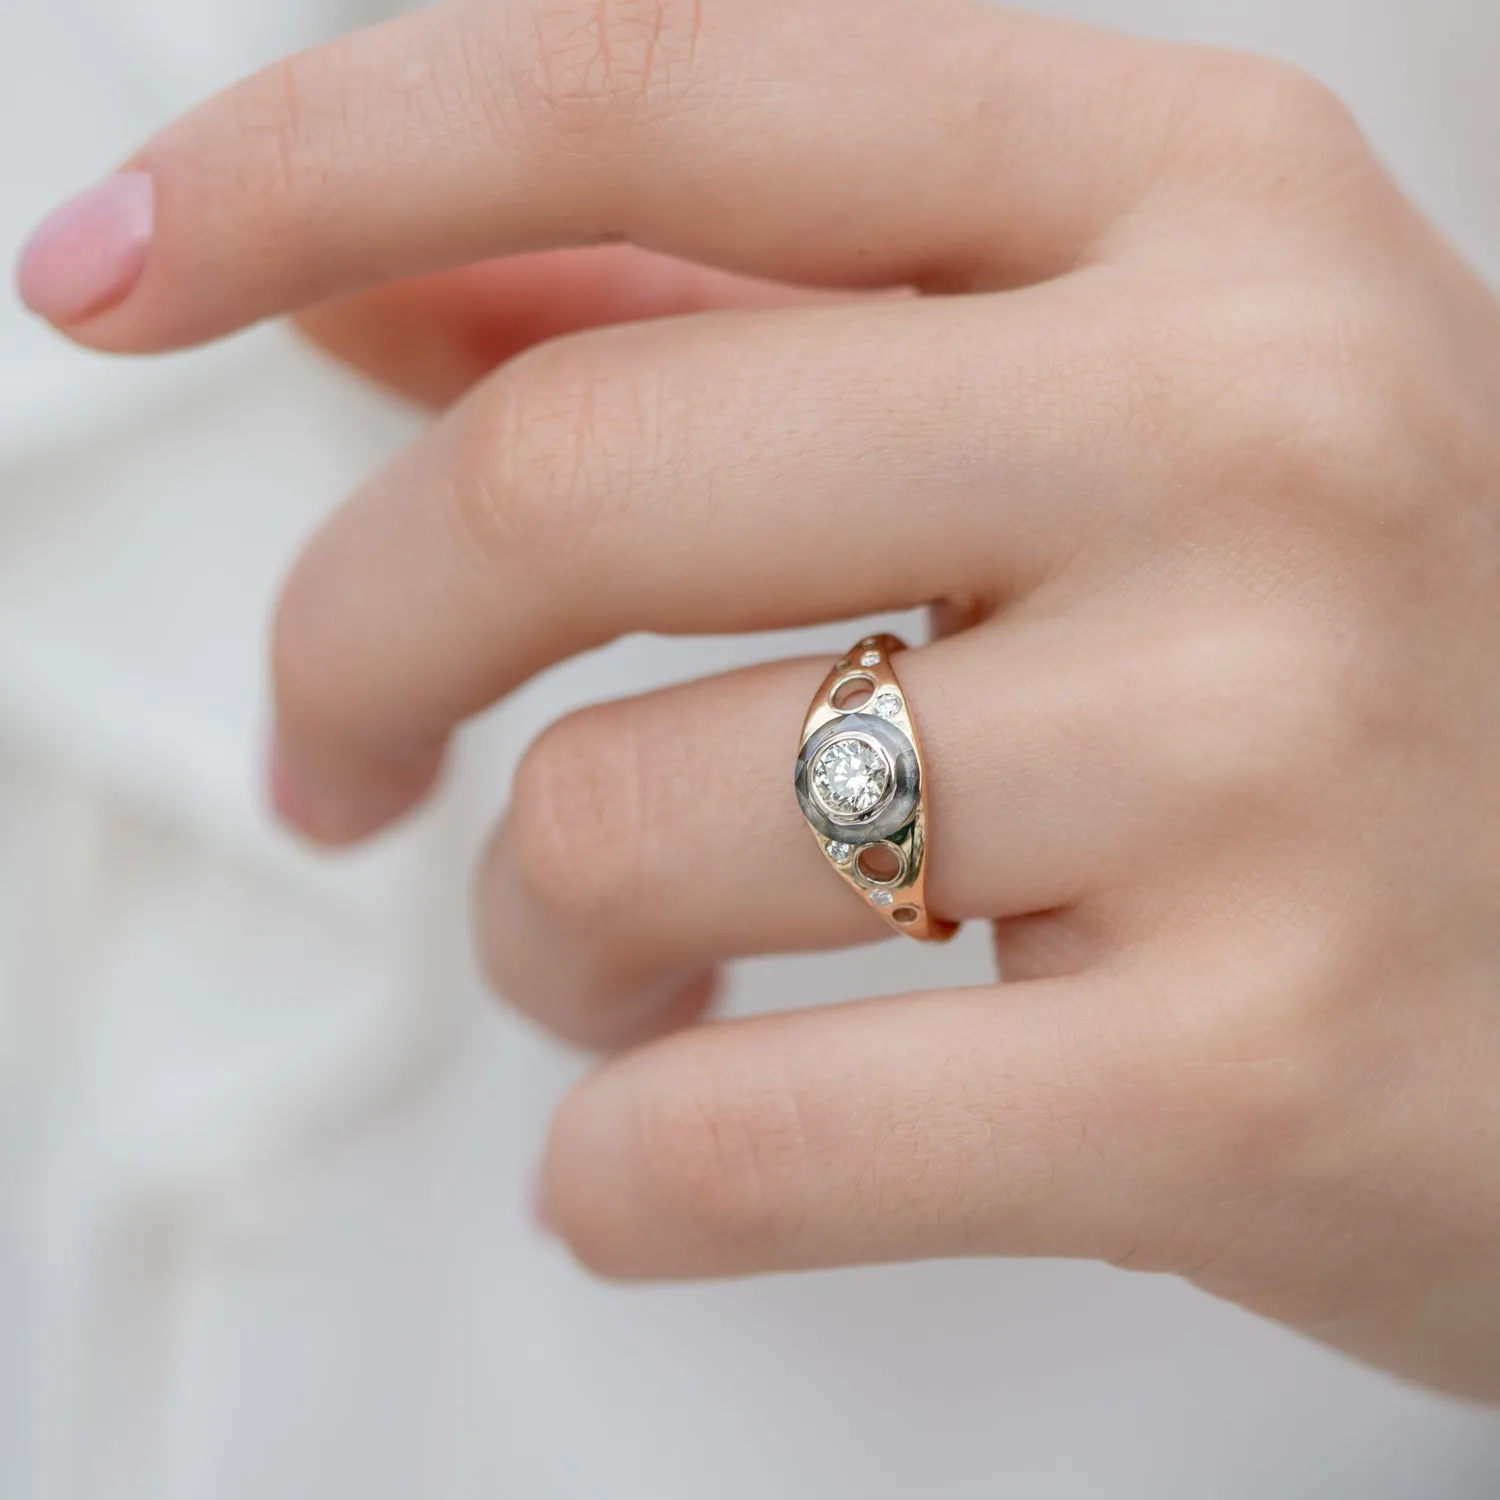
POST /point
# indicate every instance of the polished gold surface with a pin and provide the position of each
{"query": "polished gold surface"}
(900, 899)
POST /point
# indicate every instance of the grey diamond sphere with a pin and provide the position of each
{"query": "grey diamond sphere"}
(851, 777)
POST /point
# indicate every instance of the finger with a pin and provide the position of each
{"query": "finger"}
(708, 474)
(651, 838)
(846, 143)
(431, 338)
(1055, 1118)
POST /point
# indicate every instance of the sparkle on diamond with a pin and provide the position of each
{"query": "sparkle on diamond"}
(839, 851)
(851, 778)
(888, 705)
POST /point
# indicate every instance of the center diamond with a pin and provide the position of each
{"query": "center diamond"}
(851, 777)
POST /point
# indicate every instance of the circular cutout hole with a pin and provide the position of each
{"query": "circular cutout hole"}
(881, 863)
(852, 692)
(905, 915)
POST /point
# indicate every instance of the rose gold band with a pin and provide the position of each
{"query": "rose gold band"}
(859, 781)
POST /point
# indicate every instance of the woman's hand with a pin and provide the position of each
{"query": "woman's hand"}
(1202, 456)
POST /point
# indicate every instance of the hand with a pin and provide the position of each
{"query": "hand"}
(1203, 454)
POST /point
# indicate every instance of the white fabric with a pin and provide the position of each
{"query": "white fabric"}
(263, 1146)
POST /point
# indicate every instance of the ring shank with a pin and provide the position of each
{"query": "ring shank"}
(898, 825)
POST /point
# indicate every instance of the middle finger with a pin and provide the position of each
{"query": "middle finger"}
(718, 473)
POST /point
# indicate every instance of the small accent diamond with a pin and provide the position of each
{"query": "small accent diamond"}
(837, 851)
(887, 705)
(881, 898)
(870, 659)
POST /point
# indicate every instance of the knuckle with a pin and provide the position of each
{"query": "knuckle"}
(600, 65)
(1252, 1067)
(1300, 105)
(1266, 107)
(1306, 408)
(1323, 381)
(543, 455)
(578, 819)
(1253, 713)
(1335, 442)
(274, 111)
(293, 121)
(1233, 1088)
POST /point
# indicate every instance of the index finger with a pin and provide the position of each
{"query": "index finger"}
(848, 142)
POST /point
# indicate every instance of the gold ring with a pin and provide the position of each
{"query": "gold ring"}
(860, 785)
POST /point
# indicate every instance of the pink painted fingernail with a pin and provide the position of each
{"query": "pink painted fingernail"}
(344, 803)
(305, 801)
(290, 800)
(88, 255)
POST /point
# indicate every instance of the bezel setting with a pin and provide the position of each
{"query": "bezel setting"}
(895, 809)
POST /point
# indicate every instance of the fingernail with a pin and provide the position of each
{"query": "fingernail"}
(341, 804)
(299, 799)
(288, 796)
(88, 255)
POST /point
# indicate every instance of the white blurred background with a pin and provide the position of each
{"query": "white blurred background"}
(265, 1148)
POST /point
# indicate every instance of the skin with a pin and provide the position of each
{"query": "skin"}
(1194, 438)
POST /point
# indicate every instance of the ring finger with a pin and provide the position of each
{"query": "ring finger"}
(650, 838)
